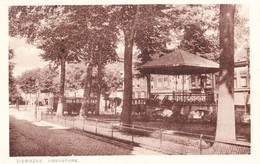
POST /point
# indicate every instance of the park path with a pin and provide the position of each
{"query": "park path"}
(32, 138)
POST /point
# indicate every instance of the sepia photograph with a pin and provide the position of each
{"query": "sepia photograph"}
(159, 80)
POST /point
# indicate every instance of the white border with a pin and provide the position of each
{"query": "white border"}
(255, 87)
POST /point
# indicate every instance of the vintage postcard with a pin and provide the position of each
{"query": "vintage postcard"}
(130, 82)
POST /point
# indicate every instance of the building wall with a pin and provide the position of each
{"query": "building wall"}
(168, 84)
(242, 87)
(165, 84)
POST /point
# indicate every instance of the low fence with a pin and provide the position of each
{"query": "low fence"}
(168, 142)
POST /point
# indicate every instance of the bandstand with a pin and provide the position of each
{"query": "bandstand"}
(180, 62)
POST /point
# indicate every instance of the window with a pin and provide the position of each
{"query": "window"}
(235, 82)
(171, 82)
(193, 81)
(136, 83)
(133, 95)
(243, 81)
(165, 82)
(208, 81)
(184, 79)
(142, 83)
(142, 94)
(137, 94)
(159, 82)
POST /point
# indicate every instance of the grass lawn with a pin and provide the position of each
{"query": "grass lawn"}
(242, 130)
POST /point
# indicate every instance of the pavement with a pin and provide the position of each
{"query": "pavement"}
(27, 134)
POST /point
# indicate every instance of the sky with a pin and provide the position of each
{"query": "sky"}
(26, 56)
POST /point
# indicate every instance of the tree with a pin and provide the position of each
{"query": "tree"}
(49, 79)
(66, 34)
(194, 40)
(98, 48)
(152, 36)
(13, 91)
(241, 26)
(197, 28)
(191, 27)
(87, 90)
(112, 80)
(27, 81)
(75, 76)
(226, 113)
(47, 27)
(145, 26)
(128, 19)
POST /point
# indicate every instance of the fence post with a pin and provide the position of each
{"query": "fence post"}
(73, 119)
(83, 124)
(201, 143)
(41, 115)
(112, 130)
(96, 125)
(161, 135)
(132, 134)
(65, 120)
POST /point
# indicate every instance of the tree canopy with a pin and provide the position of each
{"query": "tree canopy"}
(27, 81)
(67, 33)
(39, 79)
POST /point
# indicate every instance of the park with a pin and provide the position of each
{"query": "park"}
(167, 72)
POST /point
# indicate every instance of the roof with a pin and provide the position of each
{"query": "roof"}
(180, 62)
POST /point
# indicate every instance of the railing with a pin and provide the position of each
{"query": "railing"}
(168, 142)
(194, 98)
(73, 104)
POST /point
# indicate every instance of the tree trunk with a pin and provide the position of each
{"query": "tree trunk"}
(61, 103)
(99, 86)
(87, 90)
(129, 33)
(226, 114)
(17, 104)
(51, 102)
(148, 80)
